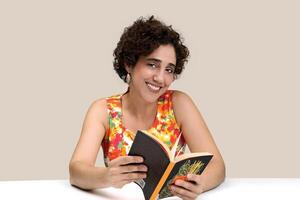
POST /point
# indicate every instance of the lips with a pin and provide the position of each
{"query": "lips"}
(153, 87)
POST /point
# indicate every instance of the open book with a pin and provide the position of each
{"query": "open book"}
(164, 167)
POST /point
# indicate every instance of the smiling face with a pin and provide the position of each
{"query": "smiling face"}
(153, 74)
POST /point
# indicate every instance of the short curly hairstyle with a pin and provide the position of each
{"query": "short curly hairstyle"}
(141, 39)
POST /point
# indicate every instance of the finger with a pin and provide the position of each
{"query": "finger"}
(124, 160)
(183, 192)
(194, 178)
(198, 182)
(133, 168)
(187, 185)
(132, 176)
(180, 196)
(176, 194)
(129, 177)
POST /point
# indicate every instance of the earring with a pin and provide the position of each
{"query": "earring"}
(128, 78)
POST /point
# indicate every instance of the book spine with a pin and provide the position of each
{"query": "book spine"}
(162, 181)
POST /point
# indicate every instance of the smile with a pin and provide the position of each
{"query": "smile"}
(153, 87)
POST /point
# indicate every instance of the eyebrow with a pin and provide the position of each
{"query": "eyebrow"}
(159, 61)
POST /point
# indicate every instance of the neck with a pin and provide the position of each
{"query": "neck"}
(138, 107)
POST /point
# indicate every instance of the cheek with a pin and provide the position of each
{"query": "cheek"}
(169, 80)
(144, 72)
(140, 75)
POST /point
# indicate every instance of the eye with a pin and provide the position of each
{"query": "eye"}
(152, 65)
(170, 70)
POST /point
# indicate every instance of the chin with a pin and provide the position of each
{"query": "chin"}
(153, 97)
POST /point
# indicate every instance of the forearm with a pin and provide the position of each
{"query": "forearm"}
(88, 177)
(213, 175)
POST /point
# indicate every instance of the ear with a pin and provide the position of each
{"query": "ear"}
(128, 68)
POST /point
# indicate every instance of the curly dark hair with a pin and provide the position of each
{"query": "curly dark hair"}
(141, 39)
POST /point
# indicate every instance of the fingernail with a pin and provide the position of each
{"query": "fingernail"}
(177, 182)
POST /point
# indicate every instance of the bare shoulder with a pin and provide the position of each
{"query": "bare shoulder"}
(98, 104)
(98, 111)
(181, 100)
(179, 97)
(182, 104)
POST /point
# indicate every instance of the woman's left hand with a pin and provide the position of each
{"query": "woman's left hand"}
(189, 189)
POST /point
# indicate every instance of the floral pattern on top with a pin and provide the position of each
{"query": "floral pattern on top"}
(118, 139)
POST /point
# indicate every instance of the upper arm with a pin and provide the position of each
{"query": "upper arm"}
(194, 129)
(92, 133)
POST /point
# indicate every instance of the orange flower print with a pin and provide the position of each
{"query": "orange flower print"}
(118, 139)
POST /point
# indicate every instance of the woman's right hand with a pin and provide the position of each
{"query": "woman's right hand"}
(125, 169)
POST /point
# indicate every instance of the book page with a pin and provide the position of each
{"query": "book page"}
(190, 155)
(173, 150)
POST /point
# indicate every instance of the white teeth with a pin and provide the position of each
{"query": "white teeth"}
(153, 87)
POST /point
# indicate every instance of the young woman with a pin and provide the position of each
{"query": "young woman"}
(149, 57)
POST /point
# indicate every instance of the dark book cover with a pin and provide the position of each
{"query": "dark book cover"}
(155, 159)
(163, 169)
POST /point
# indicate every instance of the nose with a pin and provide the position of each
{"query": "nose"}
(159, 76)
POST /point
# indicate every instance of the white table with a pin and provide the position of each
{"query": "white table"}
(233, 189)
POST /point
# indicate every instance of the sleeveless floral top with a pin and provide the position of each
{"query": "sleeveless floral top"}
(118, 139)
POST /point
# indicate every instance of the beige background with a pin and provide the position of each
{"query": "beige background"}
(56, 58)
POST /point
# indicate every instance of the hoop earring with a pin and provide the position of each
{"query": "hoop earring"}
(128, 78)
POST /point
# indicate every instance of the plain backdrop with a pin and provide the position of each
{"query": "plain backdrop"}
(243, 74)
